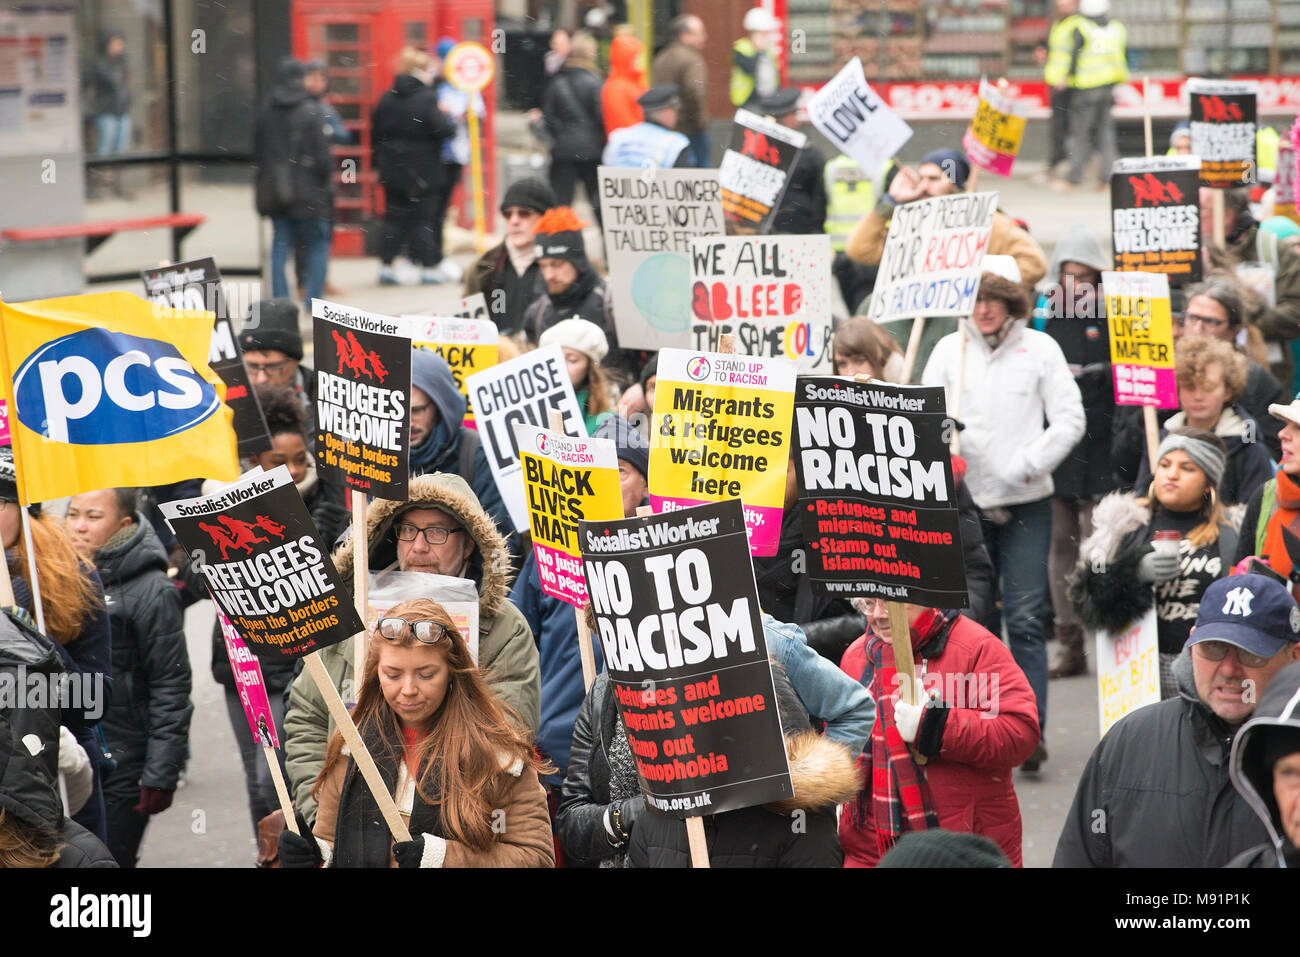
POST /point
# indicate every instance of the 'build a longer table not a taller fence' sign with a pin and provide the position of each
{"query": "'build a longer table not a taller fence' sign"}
(876, 496)
(677, 614)
(933, 255)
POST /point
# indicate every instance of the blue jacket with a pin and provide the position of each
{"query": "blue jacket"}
(826, 692)
(556, 629)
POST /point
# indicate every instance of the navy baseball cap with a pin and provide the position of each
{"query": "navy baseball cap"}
(1254, 612)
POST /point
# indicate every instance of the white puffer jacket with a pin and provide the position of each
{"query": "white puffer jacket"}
(1006, 395)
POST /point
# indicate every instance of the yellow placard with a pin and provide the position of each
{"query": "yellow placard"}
(108, 390)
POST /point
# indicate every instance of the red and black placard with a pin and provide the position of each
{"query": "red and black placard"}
(196, 284)
(262, 558)
(363, 389)
(1224, 118)
(678, 621)
(876, 493)
(755, 171)
(1155, 216)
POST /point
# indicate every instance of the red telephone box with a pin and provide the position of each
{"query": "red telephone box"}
(359, 42)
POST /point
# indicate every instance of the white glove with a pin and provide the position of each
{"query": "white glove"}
(1158, 567)
(907, 717)
(74, 765)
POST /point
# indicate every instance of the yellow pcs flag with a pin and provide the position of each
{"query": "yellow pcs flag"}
(108, 390)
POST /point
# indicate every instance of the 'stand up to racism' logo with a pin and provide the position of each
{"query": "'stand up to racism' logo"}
(97, 387)
(698, 368)
(356, 359)
(543, 442)
(235, 534)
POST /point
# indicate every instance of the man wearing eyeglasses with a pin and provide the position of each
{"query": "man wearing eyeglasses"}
(441, 530)
(508, 274)
(1156, 791)
(272, 346)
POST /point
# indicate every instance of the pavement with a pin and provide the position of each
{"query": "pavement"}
(208, 825)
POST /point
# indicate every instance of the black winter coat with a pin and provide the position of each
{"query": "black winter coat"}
(1156, 791)
(295, 166)
(588, 298)
(579, 819)
(571, 109)
(147, 728)
(1086, 472)
(407, 133)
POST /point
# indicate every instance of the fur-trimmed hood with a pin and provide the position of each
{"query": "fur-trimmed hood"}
(823, 773)
(1114, 517)
(489, 566)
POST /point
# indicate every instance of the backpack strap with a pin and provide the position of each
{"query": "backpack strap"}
(469, 442)
(1267, 506)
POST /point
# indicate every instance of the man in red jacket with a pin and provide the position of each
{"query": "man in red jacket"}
(977, 721)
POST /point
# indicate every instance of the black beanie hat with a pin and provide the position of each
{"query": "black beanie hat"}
(531, 193)
(1277, 744)
(650, 369)
(272, 324)
(940, 848)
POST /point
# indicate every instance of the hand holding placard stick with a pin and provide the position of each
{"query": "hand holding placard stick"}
(273, 578)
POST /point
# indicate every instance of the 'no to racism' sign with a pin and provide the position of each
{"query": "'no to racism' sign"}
(876, 493)
(677, 616)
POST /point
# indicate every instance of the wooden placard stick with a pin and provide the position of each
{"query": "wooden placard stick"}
(360, 583)
(913, 347)
(587, 656)
(282, 792)
(1146, 116)
(955, 412)
(6, 586)
(694, 825)
(973, 180)
(365, 763)
(1220, 232)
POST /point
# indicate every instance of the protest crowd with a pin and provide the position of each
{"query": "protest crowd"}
(873, 453)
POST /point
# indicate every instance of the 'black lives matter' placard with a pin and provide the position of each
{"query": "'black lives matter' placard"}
(1224, 115)
(195, 285)
(257, 548)
(678, 621)
(1156, 216)
(363, 388)
(876, 493)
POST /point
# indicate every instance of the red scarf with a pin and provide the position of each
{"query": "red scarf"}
(1286, 518)
(900, 795)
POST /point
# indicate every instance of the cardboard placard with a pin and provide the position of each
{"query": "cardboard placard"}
(754, 172)
(468, 345)
(992, 141)
(932, 259)
(4, 422)
(264, 562)
(677, 616)
(196, 285)
(721, 430)
(248, 680)
(876, 495)
(1141, 338)
(566, 480)
(1223, 117)
(1128, 669)
(457, 596)
(849, 113)
(1155, 216)
(773, 293)
(363, 392)
(474, 306)
(525, 389)
(650, 218)
(1284, 181)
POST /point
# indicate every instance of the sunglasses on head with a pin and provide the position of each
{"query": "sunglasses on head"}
(426, 631)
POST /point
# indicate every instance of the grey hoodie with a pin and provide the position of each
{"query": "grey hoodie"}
(1278, 709)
